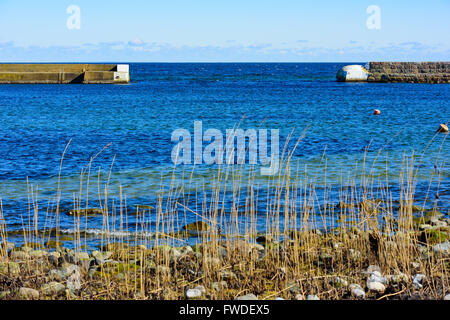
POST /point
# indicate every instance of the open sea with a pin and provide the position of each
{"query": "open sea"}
(127, 129)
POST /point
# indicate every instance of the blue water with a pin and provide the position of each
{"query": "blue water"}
(136, 121)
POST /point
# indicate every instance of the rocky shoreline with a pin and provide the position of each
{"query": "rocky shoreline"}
(350, 264)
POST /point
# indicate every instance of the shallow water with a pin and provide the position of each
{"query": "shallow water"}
(37, 121)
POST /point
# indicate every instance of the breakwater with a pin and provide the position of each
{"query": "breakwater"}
(409, 72)
(64, 73)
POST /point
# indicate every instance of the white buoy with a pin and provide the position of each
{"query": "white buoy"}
(352, 72)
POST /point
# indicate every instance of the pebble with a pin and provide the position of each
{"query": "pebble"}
(28, 293)
(294, 288)
(163, 270)
(193, 293)
(442, 249)
(186, 249)
(373, 268)
(438, 223)
(338, 245)
(397, 278)
(226, 274)
(312, 297)
(339, 282)
(418, 280)
(37, 254)
(19, 255)
(53, 257)
(80, 256)
(358, 293)
(425, 226)
(64, 271)
(52, 288)
(174, 253)
(354, 254)
(249, 296)
(299, 297)
(73, 282)
(447, 297)
(10, 267)
(355, 286)
(101, 257)
(376, 277)
(201, 288)
(217, 286)
(376, 286)
(92, 271)
(214, 262)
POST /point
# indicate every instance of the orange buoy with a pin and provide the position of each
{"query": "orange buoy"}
(442, 128)
(376, 112)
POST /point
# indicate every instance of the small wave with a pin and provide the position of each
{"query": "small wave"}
(99, 232)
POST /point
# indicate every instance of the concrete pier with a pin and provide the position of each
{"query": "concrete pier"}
(64, 73)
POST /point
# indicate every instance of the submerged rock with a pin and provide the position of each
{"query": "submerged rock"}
(197, 226)
(54, 244)
(85, 212)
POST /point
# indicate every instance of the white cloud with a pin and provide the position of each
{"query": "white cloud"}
(139, 50)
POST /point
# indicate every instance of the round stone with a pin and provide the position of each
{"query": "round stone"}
(376, 286)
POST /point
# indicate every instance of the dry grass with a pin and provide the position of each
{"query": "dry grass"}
(292, 258)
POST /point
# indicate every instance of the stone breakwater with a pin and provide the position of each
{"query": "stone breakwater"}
(409, 72)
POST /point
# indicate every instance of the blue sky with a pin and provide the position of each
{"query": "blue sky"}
(213, 30)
